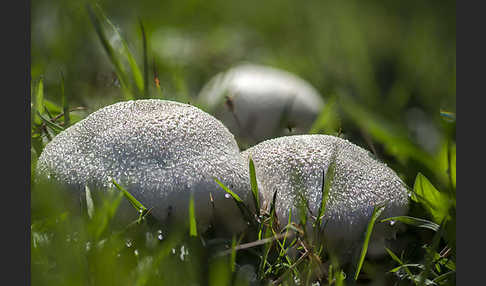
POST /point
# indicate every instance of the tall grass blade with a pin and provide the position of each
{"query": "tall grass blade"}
(254, 186)
(39, 100)
(120, 71)
(302, 206)
(377, 210)
(327, 179)
(136, 73)
(328, 121)
(89, 202)
(451, 155)
(233, 254)
(145, 62)
(65, 104)
(273, 204)
(192, 217)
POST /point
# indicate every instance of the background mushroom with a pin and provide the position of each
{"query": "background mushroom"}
(259, 102)
(292, 164)
(160, 151)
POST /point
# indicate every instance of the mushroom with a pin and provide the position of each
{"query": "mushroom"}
(161, 152)
(259, 102)
(292, 164)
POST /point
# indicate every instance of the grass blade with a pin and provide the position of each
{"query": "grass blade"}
(136, 73)
(451, 159)
(145, 62)
(192, 217)
(399, 261)
(235, 196)
(133, 201)
(254, 186)
(377, 210)
(39, 100)
(49, 123)
(327, 121)
(245, 211)
(416, 265)
(394, 256)
(303, 209)
(120, 71)
(233, 254)
(327, 179)
(418, 222)
(89, 202)
(65, 103)
(444, 276)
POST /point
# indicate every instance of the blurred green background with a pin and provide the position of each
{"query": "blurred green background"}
(388, 67)
(393, 55)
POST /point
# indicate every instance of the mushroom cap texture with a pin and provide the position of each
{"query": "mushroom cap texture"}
(296, 163)
(160, 151)
(261, 96)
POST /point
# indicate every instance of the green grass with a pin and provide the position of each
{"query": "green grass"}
(370, 81)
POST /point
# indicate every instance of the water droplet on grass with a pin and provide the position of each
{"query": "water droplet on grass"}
(184, 253)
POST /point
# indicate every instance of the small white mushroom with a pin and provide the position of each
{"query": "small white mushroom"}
(160, 151)
(292, 164)
(259, 102)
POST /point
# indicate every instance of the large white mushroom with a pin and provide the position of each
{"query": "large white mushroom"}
(161, 152)
(260, 102)
(292, 164)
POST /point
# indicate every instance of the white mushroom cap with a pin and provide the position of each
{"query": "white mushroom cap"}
(261, 95)
(160, 151)
(292, 164)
